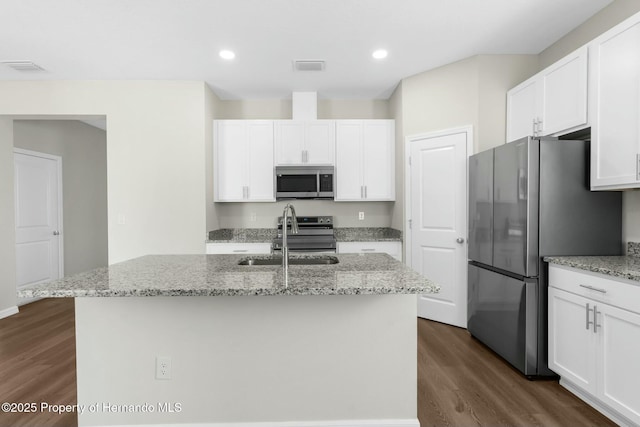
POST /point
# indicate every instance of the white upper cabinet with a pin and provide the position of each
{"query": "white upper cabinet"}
(522, 110)
(614, 70)
(365, 160)
(305, 142)
(243, 161)
(553, 101)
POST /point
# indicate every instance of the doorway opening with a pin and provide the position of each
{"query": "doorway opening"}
(73, 239)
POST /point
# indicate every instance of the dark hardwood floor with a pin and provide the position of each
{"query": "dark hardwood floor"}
(460, 382)
(38, 362)
(463, 383)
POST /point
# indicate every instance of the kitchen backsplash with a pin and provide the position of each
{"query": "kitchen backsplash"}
(633, 249)
(264, 215)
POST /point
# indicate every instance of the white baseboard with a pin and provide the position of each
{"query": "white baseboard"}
(604, 409)
(8, 312)
(24, 301)
(346, 423)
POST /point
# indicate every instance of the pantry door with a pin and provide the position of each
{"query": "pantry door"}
(38, 217)
(437, 220)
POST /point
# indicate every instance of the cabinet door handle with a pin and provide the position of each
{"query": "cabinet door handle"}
(368, 250)
(603, 291)
(588, 321)
(241, 250)
(362, 191)
(540, 127)
(365, 191)
(595, 319)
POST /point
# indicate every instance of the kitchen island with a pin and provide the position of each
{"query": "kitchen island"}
(337, 346)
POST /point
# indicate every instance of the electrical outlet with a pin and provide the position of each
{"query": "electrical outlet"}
(360, 216)
(163, 368)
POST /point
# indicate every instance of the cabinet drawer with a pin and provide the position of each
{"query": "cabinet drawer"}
(392, 248)
(621, 292)
(238, 248)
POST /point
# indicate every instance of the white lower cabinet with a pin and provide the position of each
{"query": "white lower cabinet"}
(392, 248)
(238, 248)
(594, 340)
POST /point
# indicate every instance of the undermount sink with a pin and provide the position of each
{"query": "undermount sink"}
(321, 260)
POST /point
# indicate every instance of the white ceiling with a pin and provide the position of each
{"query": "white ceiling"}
(180, 40)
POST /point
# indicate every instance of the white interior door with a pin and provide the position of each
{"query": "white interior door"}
(38, 204)
(438, 213)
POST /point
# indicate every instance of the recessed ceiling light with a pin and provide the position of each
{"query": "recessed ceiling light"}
(380, 54)
(227, 54)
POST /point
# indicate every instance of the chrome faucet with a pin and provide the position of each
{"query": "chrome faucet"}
(288, 209)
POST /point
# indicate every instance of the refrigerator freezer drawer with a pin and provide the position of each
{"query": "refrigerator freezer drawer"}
(503, 314)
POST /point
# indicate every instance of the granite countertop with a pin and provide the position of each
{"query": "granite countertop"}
(220, 275)
(626, 267)
(367, 234)
(342, 234)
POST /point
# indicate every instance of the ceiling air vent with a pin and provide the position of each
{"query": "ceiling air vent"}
(22, 66)
(308, 65)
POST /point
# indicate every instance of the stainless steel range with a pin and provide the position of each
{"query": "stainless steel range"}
(315, 234)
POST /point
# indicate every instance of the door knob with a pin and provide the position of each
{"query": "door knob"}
(56, 233)
(460, 240)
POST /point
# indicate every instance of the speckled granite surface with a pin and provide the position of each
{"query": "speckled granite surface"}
(633, 249)
(367, 234)
(342, 234)
(218, 275)
(242, 235)
(626, 267)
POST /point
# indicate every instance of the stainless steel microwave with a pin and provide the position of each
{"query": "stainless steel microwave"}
(304, 182)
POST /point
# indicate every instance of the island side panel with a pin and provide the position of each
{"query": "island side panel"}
(248, 359)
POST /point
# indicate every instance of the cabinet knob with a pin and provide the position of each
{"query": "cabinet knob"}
(460, 240)
(56, 233)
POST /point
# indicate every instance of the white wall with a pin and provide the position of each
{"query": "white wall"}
(7, 220)
(237, 215)
(211, 110)
(250, 359)
(396, 110)
(83, 149)
(607, 18)
(155, 156)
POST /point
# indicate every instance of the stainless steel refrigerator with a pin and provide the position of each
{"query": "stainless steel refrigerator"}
(529, 199)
